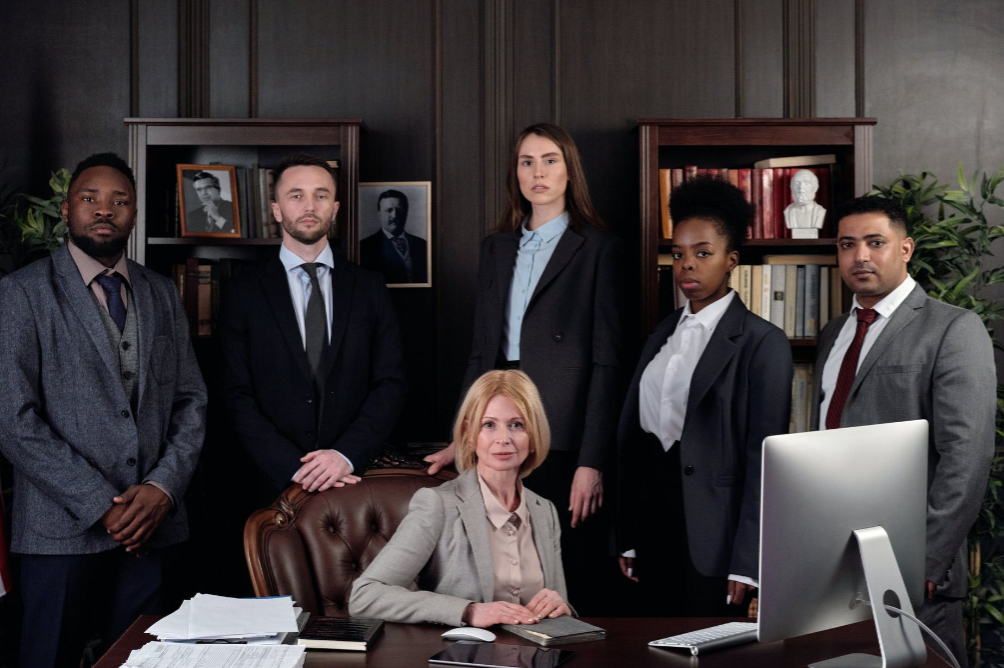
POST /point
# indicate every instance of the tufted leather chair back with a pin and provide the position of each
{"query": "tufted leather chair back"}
(314, 545)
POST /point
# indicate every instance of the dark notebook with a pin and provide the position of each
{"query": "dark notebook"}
(351, 633)
(557, 631)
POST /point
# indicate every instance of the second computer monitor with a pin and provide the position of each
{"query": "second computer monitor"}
(818, 487)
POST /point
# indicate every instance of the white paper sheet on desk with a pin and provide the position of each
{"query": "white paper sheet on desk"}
(213, 616)
(169, 655)
(175, 627)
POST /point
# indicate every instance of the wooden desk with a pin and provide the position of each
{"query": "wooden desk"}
(404, 645)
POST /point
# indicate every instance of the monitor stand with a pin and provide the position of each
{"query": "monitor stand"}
(899, 638)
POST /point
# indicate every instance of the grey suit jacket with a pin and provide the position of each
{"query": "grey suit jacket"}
(934, 362)
(65, 422)
(440, 561)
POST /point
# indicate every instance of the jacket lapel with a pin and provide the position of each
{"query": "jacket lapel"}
(539, 517)
(717, 355)
(472, 512)
(901, 317)
(567, 246)
(275, 284)
(79, 297)
(343, 284)
(142, 297)
(506, 246)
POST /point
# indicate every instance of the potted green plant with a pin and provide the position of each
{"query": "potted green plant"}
(36, 230)
(953, 237)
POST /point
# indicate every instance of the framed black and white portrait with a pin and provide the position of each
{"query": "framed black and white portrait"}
(207, 200)
(395, 231)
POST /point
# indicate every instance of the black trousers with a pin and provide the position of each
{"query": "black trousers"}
(944, 616)
(68, 599)
(666, 573)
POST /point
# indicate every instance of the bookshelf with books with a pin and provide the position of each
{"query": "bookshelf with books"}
(160, 149)
(759, 156)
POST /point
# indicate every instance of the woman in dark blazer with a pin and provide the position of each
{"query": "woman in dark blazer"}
(548, 303)
(713, 381)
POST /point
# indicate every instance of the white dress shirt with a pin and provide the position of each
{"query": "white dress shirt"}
(665, 383)
(300, 289)
(884, 310)
(535, 250)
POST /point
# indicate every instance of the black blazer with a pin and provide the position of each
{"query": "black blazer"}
(740, 393)
(570, 342)
(266, 380)
(377, 253)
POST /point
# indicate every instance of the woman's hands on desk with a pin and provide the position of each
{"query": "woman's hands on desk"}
(548, 603)
(483, 615)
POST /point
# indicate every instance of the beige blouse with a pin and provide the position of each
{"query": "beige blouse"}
(518, 575)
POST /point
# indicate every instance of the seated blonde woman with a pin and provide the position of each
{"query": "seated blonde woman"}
(481, 549)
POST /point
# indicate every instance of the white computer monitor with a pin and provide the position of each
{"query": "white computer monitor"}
(819, 489)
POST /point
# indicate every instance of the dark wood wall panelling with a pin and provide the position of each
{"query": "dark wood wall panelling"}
(444, 85)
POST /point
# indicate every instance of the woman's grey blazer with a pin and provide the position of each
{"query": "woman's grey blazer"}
(439, 560)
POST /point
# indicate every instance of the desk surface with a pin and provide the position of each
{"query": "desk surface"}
(404, 645)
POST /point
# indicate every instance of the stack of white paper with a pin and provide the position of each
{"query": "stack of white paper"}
(208, 617)
(171, 655)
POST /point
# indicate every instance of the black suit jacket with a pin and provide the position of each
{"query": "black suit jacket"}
(266, 379)
(740, 393)
(570, 342)
(378, 253)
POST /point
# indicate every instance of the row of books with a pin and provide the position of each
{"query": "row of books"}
(198, 282)
(768, 188)
(801, 397)
(798, 293)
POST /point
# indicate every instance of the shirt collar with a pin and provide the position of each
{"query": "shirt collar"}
(888, 304)
(709, 316)
(391, 236)
(498, 514)
(90, 267)
(548, 231)
(291, 260)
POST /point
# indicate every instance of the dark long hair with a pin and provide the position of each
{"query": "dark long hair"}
(578, 204)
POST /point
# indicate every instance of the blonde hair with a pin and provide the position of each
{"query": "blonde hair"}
(518, 388)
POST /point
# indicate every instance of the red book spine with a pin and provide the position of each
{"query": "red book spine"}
(782, 195)
(767, 192)
(823, 198)
(747, 188)
(756, 177)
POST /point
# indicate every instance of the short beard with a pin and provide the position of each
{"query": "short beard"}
(100, 249)
(307, 238)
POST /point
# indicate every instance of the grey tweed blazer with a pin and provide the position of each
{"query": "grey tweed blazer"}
(934, 362)
(439, 560)
(66, 425)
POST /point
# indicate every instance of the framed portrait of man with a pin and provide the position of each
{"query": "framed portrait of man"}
(395, 231)
(207, 199)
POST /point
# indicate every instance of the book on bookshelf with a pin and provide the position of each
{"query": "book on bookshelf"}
(665, 188)
(797, 161)
(801, 397)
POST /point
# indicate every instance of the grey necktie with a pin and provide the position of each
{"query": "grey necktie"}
(316, 320)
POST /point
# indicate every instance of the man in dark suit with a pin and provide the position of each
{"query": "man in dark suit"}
(312, 365)
(905, 356)
(103, 420)
(399, 255)
(215, 214)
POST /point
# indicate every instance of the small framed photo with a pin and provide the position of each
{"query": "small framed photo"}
(208, 201)
(395, 231)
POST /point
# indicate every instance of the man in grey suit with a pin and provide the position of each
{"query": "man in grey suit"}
(905, 356)
(102, 420)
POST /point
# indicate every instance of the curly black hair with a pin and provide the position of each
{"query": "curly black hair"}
(715, 200)
(103, 160)
(896, 213)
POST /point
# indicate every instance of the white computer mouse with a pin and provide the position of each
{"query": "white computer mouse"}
(469, 633)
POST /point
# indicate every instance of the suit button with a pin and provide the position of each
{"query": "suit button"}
(559, 337)
(131, 461)
(309, 400)
(688, 470)
(125, 345)
(124, 414)
(310, 433)
(128, 375)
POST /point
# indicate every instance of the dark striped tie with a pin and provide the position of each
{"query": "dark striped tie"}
(848, 369)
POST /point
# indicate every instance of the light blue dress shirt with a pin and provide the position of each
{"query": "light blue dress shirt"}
(535, 250)
(299, 285)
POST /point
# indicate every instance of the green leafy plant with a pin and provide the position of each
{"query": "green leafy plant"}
(37, 229)
(953, 237)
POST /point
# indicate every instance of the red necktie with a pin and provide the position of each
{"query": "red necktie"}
(848, 369)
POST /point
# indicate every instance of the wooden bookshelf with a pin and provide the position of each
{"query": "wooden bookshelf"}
(738, 143)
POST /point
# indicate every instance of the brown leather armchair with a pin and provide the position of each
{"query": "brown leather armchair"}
(314, 545)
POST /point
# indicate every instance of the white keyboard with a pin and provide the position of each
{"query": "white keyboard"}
(716, 637)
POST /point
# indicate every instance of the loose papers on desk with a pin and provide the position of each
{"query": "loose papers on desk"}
(208, 617)
(171, 655)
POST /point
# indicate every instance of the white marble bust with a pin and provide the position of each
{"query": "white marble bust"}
(803, 216)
